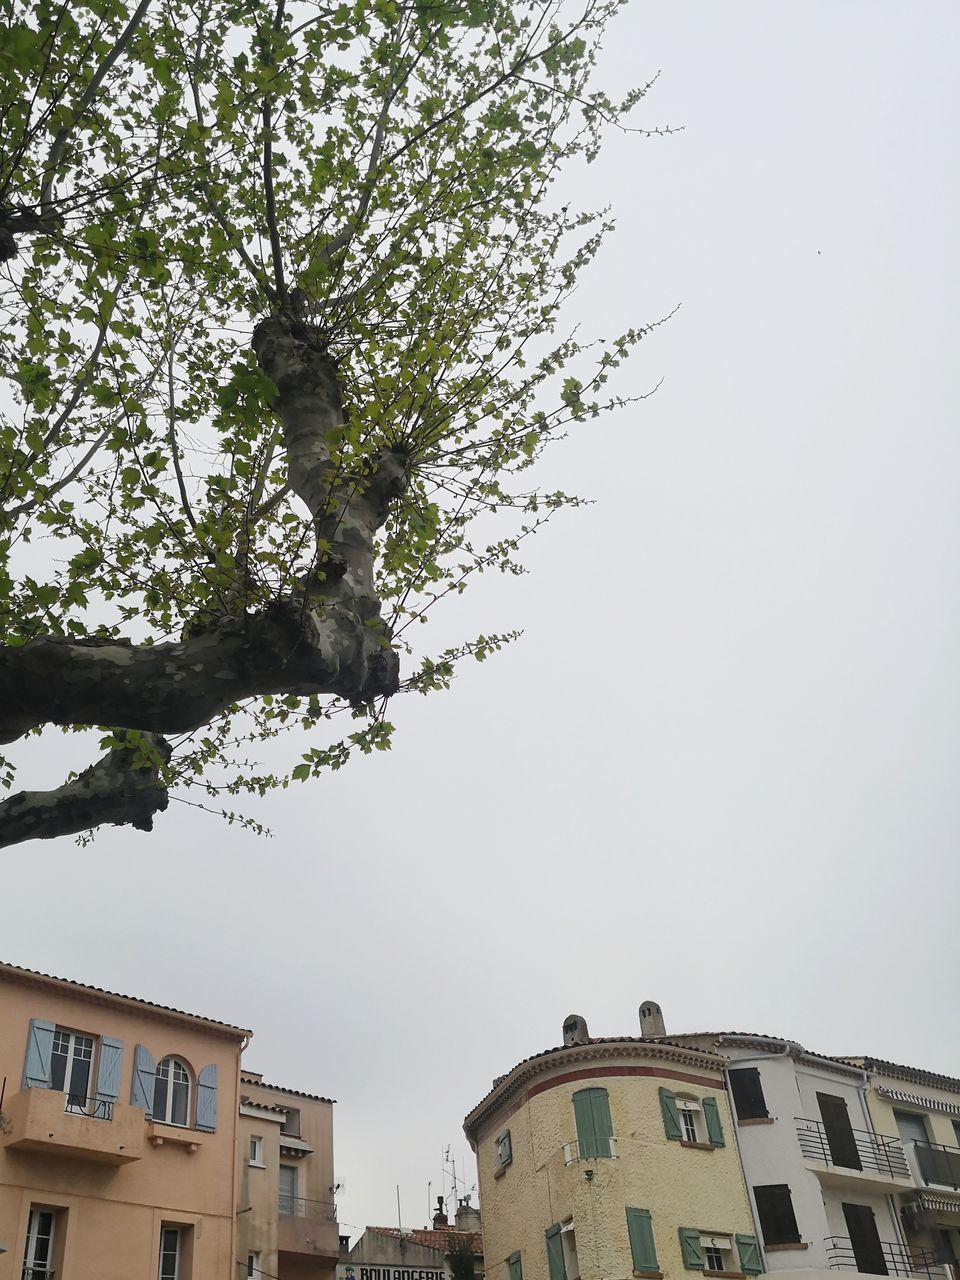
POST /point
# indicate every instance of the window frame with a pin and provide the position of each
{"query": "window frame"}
(285, 1125)
(30, 1267)
(168, 1230)
(708, 1246)
(283, 1196)
(255, 1153)
(73, 1101)
(253, 1265)
(568, 1242)
(689, 1113)
(170, 1086)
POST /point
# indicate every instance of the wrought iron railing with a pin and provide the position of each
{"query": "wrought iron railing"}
(882, 1258)
(96, 1108)
(939, 1165)
(298, 1207)
(861, 1150)
(37, 1273)
(607, 1151)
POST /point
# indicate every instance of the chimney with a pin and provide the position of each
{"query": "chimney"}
(440, 1218)
(651, 1020)
(468, 1218)
(575, 1030)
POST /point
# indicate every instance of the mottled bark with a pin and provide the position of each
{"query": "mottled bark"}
(112, 791)
(330, 639)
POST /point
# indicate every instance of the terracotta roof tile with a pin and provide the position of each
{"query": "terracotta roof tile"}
(279, 1088)
(34, 975)
(432, 1238)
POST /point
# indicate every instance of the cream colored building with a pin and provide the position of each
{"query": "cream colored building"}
(286, 1216)
(920, 1111)
(611, 1158)
(117, 1156)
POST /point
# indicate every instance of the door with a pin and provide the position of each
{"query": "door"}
(839, 1132)
(70, 1065)
(865, 1239)
(288, 1189)
(38, 1252)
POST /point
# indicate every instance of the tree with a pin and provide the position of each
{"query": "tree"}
(461, 1257)
(281, 288)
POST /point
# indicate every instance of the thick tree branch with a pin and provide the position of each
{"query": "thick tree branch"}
(114, 790)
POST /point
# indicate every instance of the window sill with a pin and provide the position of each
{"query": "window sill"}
(731, 1275)
(648, 1275)
(701, 1146)
(158, 1134)
(757, 1120)
(501, 1169)
(255, 1164)
(782, 1248)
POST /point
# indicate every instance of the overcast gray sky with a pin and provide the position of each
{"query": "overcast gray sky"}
(720, 769)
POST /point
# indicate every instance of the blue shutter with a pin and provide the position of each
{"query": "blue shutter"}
(690, 1248)
(749, 1252)
(712, 1117)
(671, 1120)
(36, 1064)
(558, 1269)
(108, 1072)
(144, 1079)
(207, 1099)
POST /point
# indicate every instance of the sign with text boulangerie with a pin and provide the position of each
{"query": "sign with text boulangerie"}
(384, 1271)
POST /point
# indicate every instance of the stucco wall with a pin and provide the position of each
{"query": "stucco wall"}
(111, 1214)
(680, 1186)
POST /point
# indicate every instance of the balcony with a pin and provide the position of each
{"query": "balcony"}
(571, 1151)
(308, 1227)
(935, 1165)
(886, 1259)
(61, 1124)
(853, 1154)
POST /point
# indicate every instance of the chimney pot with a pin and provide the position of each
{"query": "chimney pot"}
(575, 1030)
(651, 1020)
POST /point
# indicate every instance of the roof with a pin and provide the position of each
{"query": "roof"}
(435, 1238)
(659, 1047)
(917, 1075)
(81, 989)
(247, 1101)
(746, 1039)
(259, 1083)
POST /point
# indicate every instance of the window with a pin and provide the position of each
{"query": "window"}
(778, 1222)
(38, 1251)
(169, 1266)
(556, 1265)
(171, 1093)
(71, 1067)
(706, 1251)
(288, 1188)
(747, 1093)
(291, 1122)
(504, 1149)
(956, 1132)
(253, 1265)
(591, 1110)
(571, 1263)
(841, 1140)
(689, 1120)
(643, 1248)
(911, 1127)
(256, 1152)
(514, 1267)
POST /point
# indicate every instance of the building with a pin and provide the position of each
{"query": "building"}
(404, 1253)
(922, 1110)
(132, 1144)
(612, 1157)
(825, 1182)
(286, 1216)
(117, 1156)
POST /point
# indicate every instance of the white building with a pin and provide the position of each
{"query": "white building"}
(823, 1184)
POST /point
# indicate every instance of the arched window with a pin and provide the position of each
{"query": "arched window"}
(171, 1092)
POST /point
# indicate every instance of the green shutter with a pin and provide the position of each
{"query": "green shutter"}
(671, 1121)
(749, 1252)
(504, 1148)
(602, 1123)
(514, 1267)
(591, 1110)
(642, 1245)
(690, 1248)
(711, 1114)
(558, 1270)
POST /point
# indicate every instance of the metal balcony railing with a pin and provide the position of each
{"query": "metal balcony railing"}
(607, 1151)
(298, 1207)
(883, 1258)
(939, 1165)
(859, 1149)
(95, 1108)
(37, 1273)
